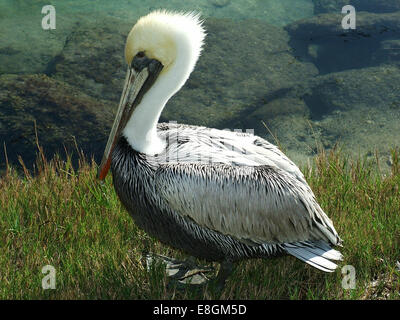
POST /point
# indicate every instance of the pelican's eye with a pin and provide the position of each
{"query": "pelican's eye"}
(140, 61)
(140, 54)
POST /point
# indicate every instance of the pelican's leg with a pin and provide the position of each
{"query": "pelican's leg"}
(184, 272)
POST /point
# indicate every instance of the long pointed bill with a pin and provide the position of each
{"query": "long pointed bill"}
(137, 82)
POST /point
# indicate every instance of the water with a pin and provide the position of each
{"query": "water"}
(276, 64)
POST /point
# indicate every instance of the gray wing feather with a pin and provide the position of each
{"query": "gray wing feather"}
(262, 204)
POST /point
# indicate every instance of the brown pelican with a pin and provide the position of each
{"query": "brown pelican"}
(217, 195)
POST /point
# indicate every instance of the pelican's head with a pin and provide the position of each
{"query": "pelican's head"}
(161, 51)
(163, 35)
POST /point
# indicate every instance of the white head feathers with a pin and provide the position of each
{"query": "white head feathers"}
(167, 36)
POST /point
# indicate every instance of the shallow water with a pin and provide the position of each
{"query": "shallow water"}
(286, 65)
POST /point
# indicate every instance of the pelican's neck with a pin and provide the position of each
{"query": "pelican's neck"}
(141, 129)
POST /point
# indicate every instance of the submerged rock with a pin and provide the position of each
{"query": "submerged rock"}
(322, 41)
(358, 108)
(368, 24)
(377, 87)
(24, 46)
(62, 114)
(93, 59)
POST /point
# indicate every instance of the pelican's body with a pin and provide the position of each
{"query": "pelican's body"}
(218, 195)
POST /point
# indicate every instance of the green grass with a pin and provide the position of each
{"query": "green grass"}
(68, 219)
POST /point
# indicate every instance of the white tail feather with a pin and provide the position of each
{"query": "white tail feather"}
(316, 254)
